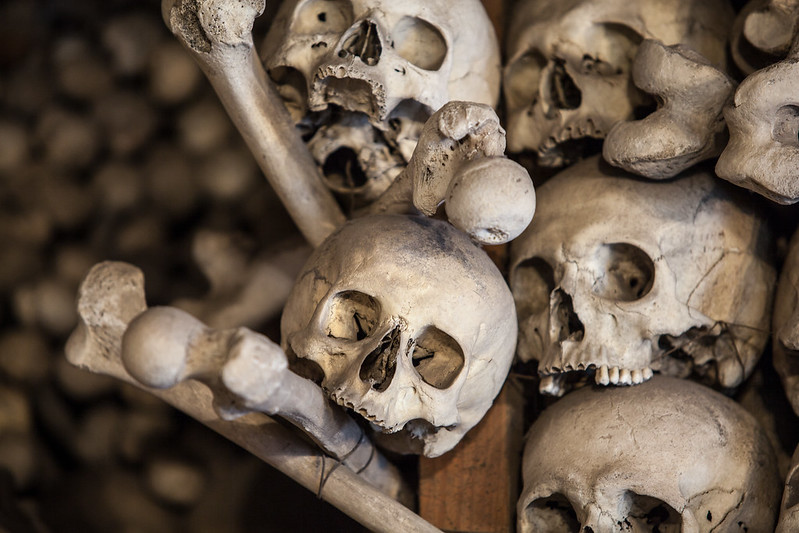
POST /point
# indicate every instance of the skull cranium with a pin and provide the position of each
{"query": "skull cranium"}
(630, 277)
(568, 76)
(668, 456)
(362, 76)
(412, 326)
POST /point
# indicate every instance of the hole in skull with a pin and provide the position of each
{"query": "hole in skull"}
(786, 125)
(565, 319)
(532, 282)
(652, 514)
(562, 90)
(323, 16)
(437, 357)
(523, 79)
(365, 43)
(378, 368)
(551, 515)
(352, 315)
(420, 43)
(626, 272)
(342, 170)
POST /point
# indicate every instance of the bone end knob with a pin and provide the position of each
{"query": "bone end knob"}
(492, 199)
(155, 347)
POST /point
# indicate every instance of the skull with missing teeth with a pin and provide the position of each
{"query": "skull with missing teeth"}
(621, 277)
(411, 325)
(568, 78)
(362, 76)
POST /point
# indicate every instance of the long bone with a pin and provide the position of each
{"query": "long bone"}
(218, 34)
(460, 160)
(112, 295)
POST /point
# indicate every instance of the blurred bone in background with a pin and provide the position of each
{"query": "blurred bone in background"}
(113, 146)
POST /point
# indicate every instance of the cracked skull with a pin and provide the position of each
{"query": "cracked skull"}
(668, 456)
(411, 325)
(568, 77)
(362, 76)
(630, 277)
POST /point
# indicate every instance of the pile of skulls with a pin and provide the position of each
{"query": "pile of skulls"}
(638, 302)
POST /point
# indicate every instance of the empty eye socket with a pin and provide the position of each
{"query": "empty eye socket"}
(627, 272)
(419, 43)
(323, 16)
(437, 357)
(554, 514)
(786, 125)
(652, 514)
(352, 315)
(523, 78)
(532, 282)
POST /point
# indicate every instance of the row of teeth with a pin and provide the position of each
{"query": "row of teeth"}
(575, 130)
(361, 411)
(552, 382)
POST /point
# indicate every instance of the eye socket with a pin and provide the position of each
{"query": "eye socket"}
(532, 282)
(437, 357)
(652, 514)
(352, 316)
(786, 125)
(554, 514)
(420, 43)
(627, 272)
(523, 79)
(323, 16)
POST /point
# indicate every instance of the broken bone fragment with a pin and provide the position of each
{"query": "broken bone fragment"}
(667, 455)
(407, 323)
(618, 294)
(688, 126)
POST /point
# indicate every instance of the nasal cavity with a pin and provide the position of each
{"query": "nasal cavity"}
(364, 44)
(378, 368)
(564, 92)
(563, 322)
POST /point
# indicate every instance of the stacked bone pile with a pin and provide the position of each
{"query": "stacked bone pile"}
(113, 146)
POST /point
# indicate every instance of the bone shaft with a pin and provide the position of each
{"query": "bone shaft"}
(257, 111)
(398, 198)
(275, 445)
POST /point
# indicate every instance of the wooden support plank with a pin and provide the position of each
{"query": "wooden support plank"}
(474, 487)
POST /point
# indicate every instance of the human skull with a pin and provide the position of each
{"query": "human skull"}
(667, 456)
(411, 325)
(568, 76)
(763, 119)
(362, 76)
(622, 277)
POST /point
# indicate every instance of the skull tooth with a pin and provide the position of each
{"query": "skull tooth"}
(613, 375)
(602, 377)
(647, 373)
(637, 376)
(625, 378)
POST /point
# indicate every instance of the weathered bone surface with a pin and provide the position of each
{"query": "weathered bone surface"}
(406, 322)
(668, 455)
(763, 32)
(460, 160)
(763, 119)
(688, 126)
(218, 35)
(112, 297)
(678, 281)
(786, 325)
(568, 77)
(361, 77)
